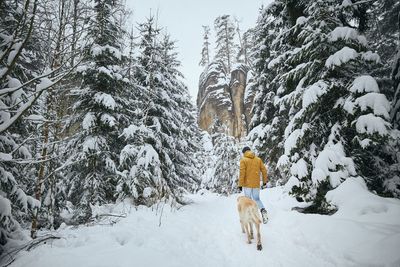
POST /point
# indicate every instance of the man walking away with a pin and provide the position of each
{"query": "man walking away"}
(249, 178)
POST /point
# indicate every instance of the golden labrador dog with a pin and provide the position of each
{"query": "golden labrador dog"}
(248, 213)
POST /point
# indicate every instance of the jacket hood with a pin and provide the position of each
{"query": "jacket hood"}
(249, 154)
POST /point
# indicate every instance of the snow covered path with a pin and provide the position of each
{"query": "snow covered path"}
(207, 233)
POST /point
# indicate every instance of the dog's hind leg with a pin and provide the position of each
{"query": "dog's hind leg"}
(241, 225)
(259, 246)
(251, 230)
(247, 227)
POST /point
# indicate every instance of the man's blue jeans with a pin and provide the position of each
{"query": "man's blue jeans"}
(254, 194)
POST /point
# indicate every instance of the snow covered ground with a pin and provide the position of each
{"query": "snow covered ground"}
(364, 232)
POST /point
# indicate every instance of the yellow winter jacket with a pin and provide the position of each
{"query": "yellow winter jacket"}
(250, 167)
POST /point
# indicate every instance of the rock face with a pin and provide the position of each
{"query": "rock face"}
(221, 100)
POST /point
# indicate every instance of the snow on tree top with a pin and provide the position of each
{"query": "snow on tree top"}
(130, 131)
(346, 3)
(44, 83)
(13, 82)
(364, 84)
(291, 141)
(98, 49)
(81, 68)
(5, 207)
(299, 168)
(291, 124)
(340, 57)
(105, 99)
(207, 141)
(312, 93)
(108, 119)
(258, 131)
(276, 60)
(93, 143)
(283, 161)
(371, 124)
(377, 102)
(327, 162)
(88, 121)
(301, 20)
(147, 155)
(347, 33)
(371, 56)
(105, 70)
(147, 191)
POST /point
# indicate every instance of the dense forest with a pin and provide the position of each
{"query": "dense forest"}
(90, 114)
(324, 80)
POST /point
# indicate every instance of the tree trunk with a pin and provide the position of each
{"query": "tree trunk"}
(56, 62)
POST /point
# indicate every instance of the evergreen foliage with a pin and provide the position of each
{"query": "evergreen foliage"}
(327, 107)
(226, 169)
(226, 47)
(319, 117)
(205, 51)
(158, 158)
(100, 110)
(20, 86)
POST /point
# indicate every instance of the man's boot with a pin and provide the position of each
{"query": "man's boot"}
(264, 215)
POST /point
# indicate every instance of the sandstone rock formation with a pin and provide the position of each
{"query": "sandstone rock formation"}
(221, 100)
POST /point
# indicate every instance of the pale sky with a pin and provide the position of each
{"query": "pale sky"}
(183, 19)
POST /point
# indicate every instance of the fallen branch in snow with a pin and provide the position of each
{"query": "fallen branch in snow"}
(162, 209)
(11, 255)
(99, 218)
(34, 243)
(110, 215)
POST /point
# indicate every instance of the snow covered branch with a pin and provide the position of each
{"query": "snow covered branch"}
(14, 54)
(45, 83)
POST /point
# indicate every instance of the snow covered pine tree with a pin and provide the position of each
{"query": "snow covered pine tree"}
(100, 113)
(226, 48)
(158, 158)
(226, 169)
(205, 51)
(318, 110)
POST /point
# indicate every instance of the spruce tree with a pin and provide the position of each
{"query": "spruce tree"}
(187, 138)
(159, 148)
(326, 115)
(100, 113)
(226, 46)
(395, 113)
(205, 51)
(264, 122)
(226, 169)
(392, 184)
(382, 19)
(246, 46)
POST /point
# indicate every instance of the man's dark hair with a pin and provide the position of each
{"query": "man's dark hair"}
(246, 148)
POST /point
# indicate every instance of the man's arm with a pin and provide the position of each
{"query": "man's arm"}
(264, 172)
(242, 173)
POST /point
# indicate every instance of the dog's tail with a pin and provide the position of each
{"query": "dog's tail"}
(255, 215)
